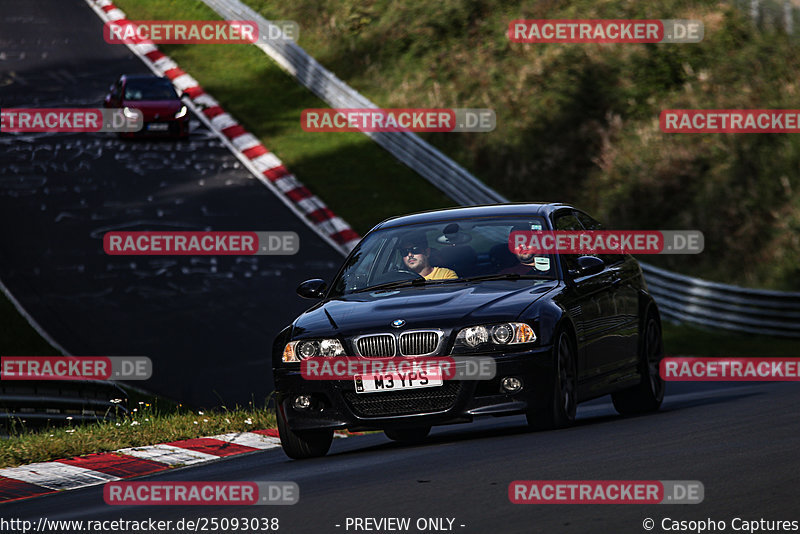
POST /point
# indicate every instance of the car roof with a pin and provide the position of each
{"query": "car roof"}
(543, 209)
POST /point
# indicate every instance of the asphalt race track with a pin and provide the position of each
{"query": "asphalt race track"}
(206, 322)
(739, 440)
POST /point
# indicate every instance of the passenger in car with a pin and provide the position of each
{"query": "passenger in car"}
(416, 253)
(528, 262)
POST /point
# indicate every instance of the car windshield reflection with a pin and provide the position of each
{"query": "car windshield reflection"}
(462, 250)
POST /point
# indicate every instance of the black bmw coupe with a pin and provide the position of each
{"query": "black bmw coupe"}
(561, 328)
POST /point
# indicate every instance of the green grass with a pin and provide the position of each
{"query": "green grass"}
(145, 425)
(360, 181)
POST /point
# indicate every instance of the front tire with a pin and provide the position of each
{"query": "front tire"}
(559, 410)
(648, 395)
(408, 435)
(302, 444)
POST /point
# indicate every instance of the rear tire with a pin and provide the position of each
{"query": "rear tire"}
(646, 396)
(302, 444)
(408, 435)
(559, 410)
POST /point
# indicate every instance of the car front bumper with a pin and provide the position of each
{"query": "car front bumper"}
(336, 405)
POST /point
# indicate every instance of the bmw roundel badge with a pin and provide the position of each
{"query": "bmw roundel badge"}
(397, 323)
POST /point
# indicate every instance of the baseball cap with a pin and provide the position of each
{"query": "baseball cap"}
(415, 238)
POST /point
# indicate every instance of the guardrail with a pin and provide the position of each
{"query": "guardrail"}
(778, 14)
(680, 298)
(60, 401)
(692, 300)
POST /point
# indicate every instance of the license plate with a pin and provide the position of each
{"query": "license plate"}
(423, 378)
(157, 127)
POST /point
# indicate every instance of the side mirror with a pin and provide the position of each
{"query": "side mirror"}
(587, 265)
(312, 289)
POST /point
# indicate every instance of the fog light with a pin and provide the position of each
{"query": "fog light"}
(511, 384)
(302, 402)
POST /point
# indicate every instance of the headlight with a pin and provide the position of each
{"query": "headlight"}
(181, 112)
(296, 351)
(503, 334)
(490, 337)
(128, 112)
(474, 336)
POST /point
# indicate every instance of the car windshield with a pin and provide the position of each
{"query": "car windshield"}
(442, 252)
(149, 90)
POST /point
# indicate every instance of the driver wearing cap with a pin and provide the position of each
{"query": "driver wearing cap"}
(416, 256)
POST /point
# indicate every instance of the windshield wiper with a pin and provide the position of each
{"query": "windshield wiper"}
(392, 285)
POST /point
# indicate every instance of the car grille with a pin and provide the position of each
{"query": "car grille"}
(390, 403)
(380, 346)
(418, 343)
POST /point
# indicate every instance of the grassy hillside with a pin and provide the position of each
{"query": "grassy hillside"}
(579, 122)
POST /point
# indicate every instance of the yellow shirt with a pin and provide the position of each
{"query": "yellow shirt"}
(441, 273)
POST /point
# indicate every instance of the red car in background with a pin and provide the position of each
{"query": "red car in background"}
(164, 112)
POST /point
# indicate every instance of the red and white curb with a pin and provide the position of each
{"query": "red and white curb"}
(42, 478)
(264, 164)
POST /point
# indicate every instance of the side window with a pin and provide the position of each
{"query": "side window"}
(587, 222)
(567, 221)
(591, 224)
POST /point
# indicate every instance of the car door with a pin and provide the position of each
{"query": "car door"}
(622, 343)
(590, 306)
(587, 303)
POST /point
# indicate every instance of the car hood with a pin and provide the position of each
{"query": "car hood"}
(441, 306)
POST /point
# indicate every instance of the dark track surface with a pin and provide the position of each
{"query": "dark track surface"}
(739, 440)
(207, 323)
